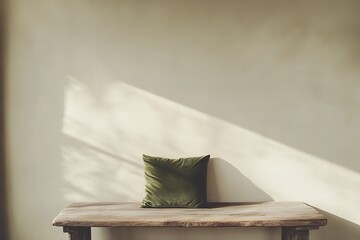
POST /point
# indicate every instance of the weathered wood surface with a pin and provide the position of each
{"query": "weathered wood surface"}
(127, 214)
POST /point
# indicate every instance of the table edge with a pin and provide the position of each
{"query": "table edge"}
(316, 222)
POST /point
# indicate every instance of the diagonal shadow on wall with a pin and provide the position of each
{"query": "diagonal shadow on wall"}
(227, 184)
(126, 122)
(336, 228)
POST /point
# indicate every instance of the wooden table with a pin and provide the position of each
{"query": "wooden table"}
(295, 218)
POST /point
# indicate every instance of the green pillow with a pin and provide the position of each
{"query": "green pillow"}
(175, 182)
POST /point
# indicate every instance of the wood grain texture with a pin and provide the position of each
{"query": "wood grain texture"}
(128, 214)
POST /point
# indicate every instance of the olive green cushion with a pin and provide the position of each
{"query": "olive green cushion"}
(175, 182)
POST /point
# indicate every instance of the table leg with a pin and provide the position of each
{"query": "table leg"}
(78, 233)
(295, 233)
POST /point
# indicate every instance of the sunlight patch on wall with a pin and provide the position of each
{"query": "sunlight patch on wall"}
(108, 128)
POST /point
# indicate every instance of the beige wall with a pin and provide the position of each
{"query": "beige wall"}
(3, 220)
(270, 88)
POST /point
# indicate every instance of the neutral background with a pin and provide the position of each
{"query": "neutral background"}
(271, 89)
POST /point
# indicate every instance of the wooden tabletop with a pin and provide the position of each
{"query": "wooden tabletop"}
(129, 214)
